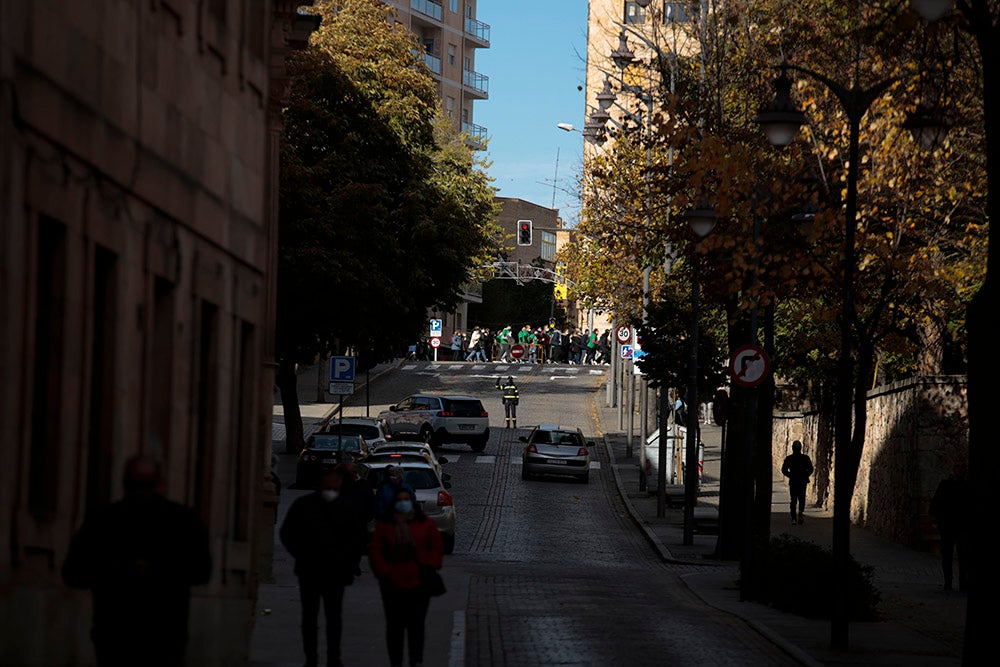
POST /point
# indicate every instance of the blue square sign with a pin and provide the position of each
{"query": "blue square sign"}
(341, 369)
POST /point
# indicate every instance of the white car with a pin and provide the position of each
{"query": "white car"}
(371, 429)
(431, 489)
(394, 454)
(676, 455)
(438, 419)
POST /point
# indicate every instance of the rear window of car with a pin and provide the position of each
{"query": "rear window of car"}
(337, 443)
(464, 407)
(556, 437)
(417, 478)
(396, 456)
(366, 432)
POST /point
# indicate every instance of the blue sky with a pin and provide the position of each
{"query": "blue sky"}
(536, 60)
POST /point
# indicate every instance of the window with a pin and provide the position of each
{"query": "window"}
(634, 13)
(100, 432)
(205, 409)
(680, 12)
(451, 54)
(449, 106)
(548, 250)
(243, 472)
(428, 43)
(161, 340)
(453, 6)
(46, 399)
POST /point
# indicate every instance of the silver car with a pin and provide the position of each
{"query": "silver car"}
(437, 419)
(372, 430)
(556, 450)
(431, 490)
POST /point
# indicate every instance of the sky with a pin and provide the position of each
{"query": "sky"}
(536, 61)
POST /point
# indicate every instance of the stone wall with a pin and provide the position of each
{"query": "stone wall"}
(917, 429)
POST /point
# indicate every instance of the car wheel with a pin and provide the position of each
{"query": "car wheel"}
(524, 473)
(478, 446)
(449, 543)
(426, 434)
(585, 478)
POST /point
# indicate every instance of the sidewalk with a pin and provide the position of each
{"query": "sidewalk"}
(921, 624)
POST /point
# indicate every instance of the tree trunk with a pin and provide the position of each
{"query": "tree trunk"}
(288, 385)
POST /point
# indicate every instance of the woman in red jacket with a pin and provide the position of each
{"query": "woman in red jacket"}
(402, 542)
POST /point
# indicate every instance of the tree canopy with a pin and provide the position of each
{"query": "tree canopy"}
(384, 210)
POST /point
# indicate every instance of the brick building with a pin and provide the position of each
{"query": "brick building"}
(138, 179)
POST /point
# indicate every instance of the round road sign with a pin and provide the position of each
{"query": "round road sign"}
(435, 342)
(517, 350)
(749, 366)
(623, 334)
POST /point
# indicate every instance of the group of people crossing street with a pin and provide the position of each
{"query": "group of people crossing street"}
(538, 345)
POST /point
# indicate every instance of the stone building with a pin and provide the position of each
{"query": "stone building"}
(138, 180)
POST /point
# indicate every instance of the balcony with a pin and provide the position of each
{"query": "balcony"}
(478, 31)
(427, 8)
(476, 136)
(476, 83)
(433, 62)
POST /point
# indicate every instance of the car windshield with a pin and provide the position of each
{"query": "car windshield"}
(365, 431)
(464, 407)
(337, 443)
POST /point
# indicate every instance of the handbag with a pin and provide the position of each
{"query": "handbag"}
(431, 581)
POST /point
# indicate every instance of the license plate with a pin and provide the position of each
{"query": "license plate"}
(557, 461)
(466, 427)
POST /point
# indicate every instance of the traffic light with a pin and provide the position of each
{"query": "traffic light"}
(524, 232)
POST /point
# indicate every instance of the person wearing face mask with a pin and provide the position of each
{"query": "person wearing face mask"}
(324, 535)
(392, 482)
(402, 542)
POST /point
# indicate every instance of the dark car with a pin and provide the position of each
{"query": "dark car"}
(322, 452)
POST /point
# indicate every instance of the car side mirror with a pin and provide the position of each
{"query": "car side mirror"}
(523, 438)
(442, 459)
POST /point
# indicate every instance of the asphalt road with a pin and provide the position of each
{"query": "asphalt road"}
(545, 572)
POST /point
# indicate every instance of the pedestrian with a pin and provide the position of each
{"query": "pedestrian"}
(391, 482)
(474, 344)
(404, 542)
(952, 506)
(576, 348)
(604, 347)
(566, 345)
(797, 467)
(325, 535)
(140, 557)
(503, 341)
(590, 345)
(555, 346)
(510, 399)
(456, 346)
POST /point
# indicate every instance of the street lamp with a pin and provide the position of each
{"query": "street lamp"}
(781, 122)
(702, 221)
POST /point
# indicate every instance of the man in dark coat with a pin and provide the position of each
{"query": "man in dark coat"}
(140, 556)
(797, 467)
(510, 400)
(322, 531)
(952, 506)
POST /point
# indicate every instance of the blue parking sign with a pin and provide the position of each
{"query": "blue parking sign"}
(341, 369)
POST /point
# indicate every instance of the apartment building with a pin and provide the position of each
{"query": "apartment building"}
(451, 34)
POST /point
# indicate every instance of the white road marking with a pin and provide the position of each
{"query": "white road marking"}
(595, 465)
(457, 657)
(409, 367)
(486, 459)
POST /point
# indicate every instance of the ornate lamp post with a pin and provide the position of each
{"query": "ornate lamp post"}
(781, 122)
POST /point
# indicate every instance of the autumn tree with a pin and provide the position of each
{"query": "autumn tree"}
(385, 211)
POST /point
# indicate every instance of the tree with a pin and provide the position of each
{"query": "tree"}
(384, 210)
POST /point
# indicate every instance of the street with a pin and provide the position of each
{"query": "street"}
(545, 572)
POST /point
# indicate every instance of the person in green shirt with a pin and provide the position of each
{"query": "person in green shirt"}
(503, 340)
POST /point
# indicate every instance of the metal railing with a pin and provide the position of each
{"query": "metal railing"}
(478, 29)
(433, 62)
(475, 80)
(432, 9)
(475, 132)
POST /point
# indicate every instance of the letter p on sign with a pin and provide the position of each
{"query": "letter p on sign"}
(341, 369)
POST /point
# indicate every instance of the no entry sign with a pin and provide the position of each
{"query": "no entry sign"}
(517, 350)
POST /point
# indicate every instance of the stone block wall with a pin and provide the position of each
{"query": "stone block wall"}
(917, 430)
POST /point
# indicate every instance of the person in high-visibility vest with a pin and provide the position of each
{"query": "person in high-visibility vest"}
(509, 390)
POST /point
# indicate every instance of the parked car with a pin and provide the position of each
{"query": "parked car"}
(438, 419)
(676, 454)
(431, 489)
(556, 450)
(371, 429)
(324, 451)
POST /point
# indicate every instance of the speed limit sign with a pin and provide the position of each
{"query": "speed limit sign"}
(623, 334)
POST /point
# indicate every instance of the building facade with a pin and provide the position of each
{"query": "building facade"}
(451, 35)
(138, 244)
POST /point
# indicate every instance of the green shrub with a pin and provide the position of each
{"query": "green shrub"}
(797, 576)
